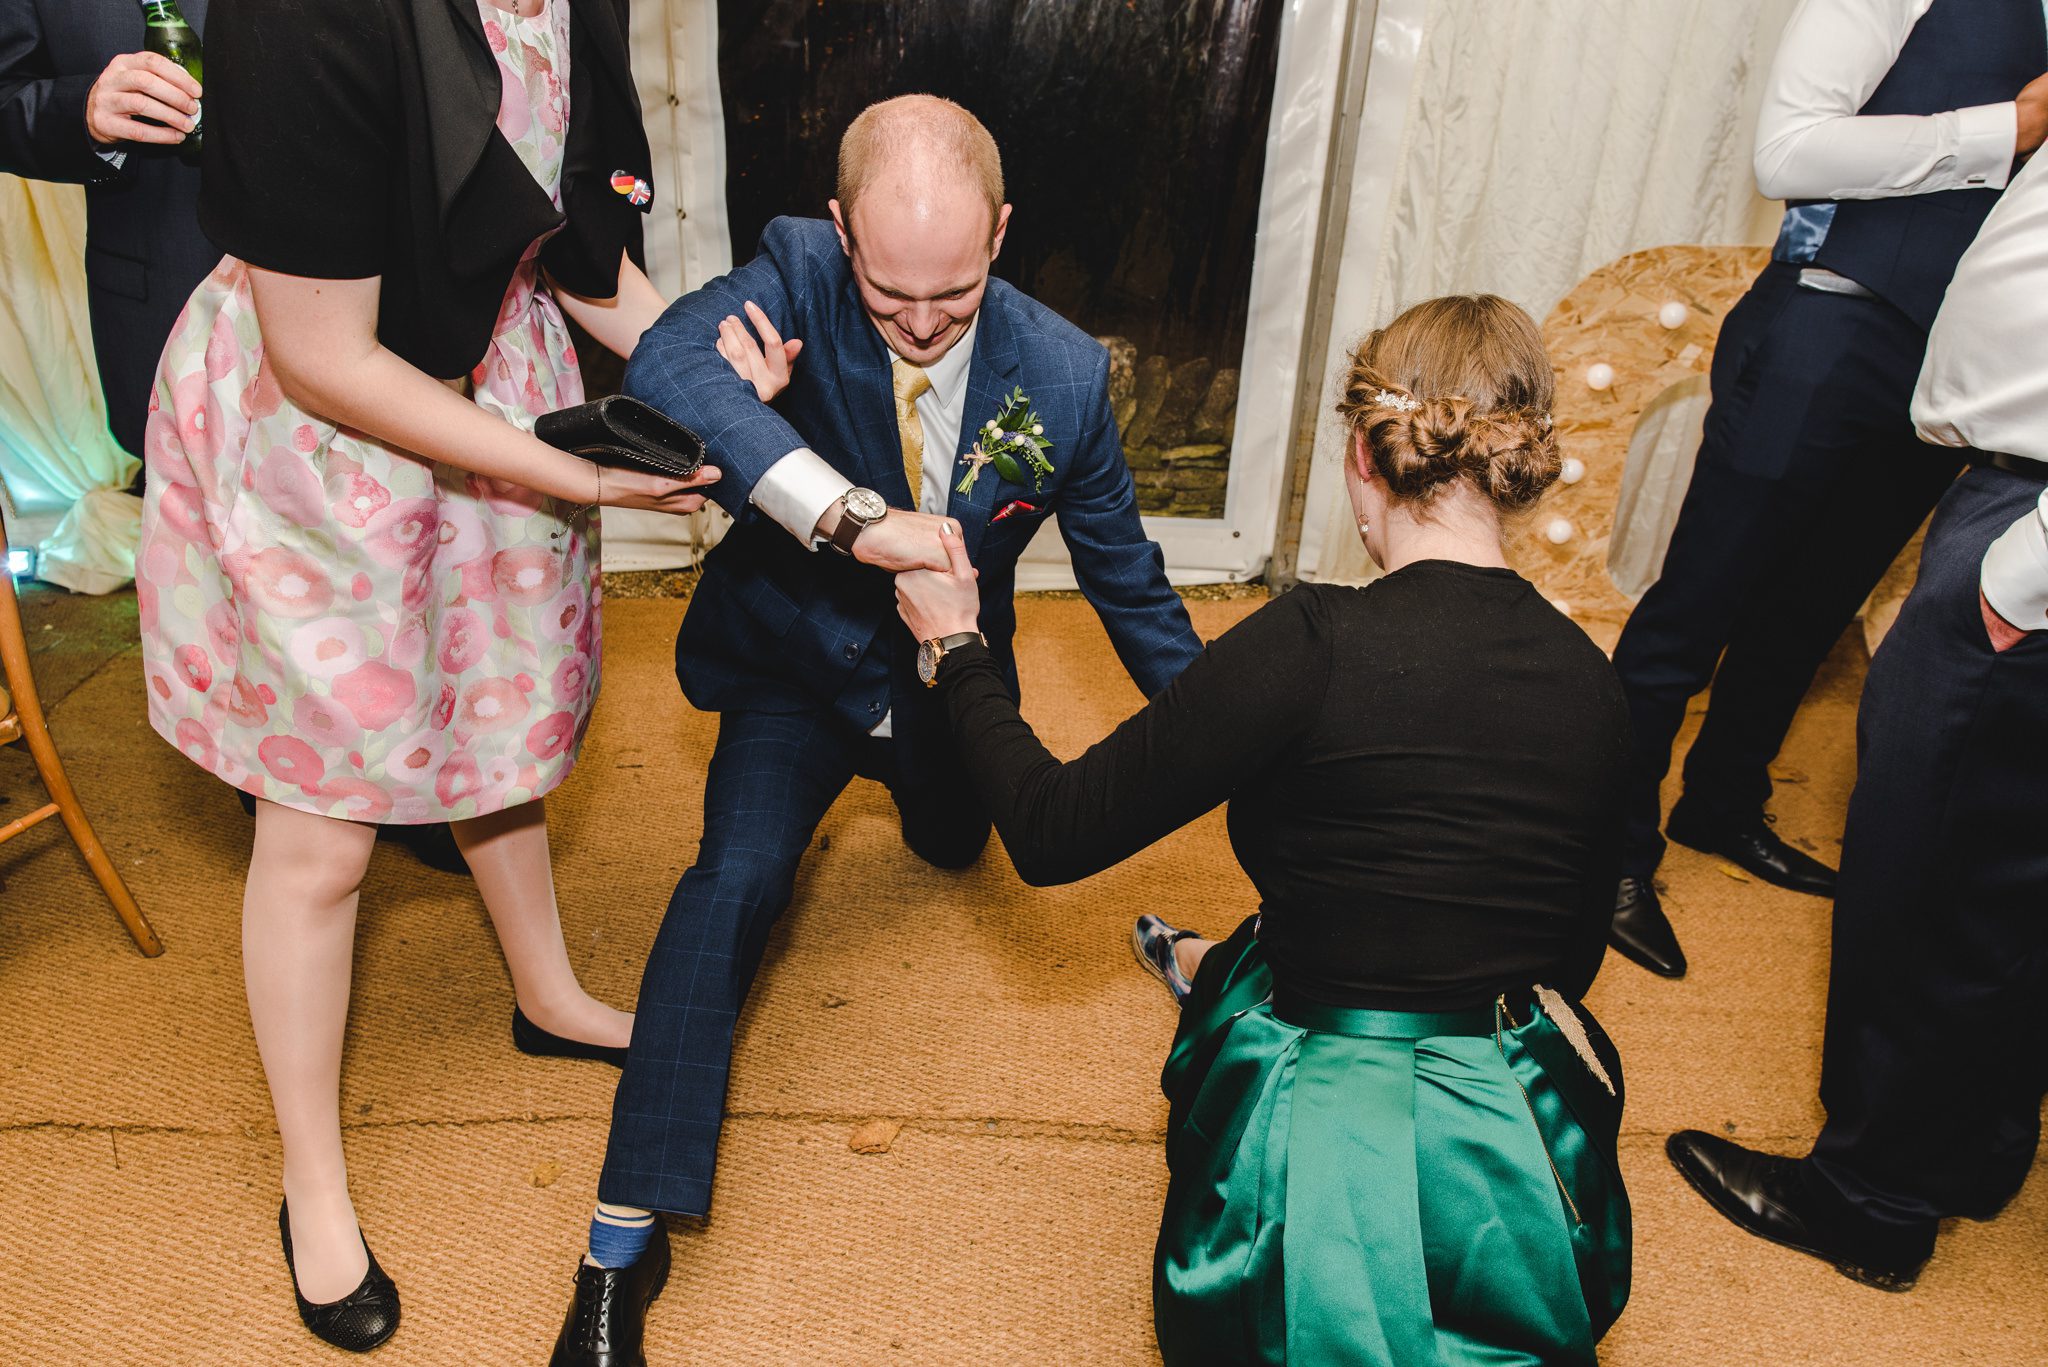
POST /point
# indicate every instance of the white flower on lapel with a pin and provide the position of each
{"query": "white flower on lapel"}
(1013, 441)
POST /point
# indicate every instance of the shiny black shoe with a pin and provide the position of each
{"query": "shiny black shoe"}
(359, 1321)
(607, 1319)
(1642, 932)
(529, 1038)
(1751, 845)
(1152, 942)
(1762, 1193)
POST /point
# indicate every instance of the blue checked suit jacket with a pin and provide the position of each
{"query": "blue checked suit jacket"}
(776, 626)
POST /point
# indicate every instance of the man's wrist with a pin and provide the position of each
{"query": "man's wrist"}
(828, 521)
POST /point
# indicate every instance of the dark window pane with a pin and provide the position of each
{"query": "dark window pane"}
(1133, 135)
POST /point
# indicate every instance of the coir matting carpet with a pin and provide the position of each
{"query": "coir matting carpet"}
(995, 1043)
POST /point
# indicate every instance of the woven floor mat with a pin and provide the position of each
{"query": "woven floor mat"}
(999, 1038)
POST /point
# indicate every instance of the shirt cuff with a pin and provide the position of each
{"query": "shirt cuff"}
(797, 490)
(2015, 578)
(115, 157)
(1987, 139)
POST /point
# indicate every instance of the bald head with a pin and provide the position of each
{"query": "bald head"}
(927, 155)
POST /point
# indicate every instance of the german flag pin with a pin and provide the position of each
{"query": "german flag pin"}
(638, 192)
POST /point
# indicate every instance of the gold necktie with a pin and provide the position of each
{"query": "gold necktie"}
(911, 381)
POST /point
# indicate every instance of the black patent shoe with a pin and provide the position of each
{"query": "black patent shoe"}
(1765, 1194)
(607, 1320)
(529, 1038)
(1642, 932)
(1751, 845)
(359, 1321)
(1152, 942)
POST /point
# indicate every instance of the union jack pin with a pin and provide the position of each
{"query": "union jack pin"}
(638, 192)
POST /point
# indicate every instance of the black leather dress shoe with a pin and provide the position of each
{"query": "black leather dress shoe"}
(359, 1321)
(607, 1318)
(1762, 1193)
(1753, 846)
(1642, 932)
(529, 1038)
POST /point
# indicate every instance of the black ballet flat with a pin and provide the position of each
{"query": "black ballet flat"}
(359, 1321)
(529, 1038)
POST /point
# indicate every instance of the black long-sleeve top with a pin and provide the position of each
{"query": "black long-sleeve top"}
(1424, 779)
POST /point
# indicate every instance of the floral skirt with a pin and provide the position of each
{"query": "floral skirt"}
(348, 629)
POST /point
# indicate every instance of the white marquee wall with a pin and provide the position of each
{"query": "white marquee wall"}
(1613, 125)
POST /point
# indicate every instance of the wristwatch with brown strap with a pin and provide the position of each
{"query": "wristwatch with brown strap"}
(859, 509)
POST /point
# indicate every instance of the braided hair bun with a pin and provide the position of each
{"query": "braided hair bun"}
(1457, 388)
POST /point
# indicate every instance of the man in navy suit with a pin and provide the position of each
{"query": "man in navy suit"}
(909, 352)
(75, 89)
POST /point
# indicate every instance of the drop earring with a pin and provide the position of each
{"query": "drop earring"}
(1364, 526)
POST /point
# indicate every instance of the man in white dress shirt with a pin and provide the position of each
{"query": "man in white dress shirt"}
(1889, 127)
(1932, 1069)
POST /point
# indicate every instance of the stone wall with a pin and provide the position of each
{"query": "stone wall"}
(1176, 421)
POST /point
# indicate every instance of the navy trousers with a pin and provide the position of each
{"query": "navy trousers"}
(1933, 1067)
(1809, 480)
(772, 776)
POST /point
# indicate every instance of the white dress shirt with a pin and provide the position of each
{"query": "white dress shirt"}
(1812, 144)
(1985, 380)
(801, 487)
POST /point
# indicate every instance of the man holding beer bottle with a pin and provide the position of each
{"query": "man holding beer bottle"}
(85, 99)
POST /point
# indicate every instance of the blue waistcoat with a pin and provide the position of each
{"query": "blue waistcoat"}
(1962, 53)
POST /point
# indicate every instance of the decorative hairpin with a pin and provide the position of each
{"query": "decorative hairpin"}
(1543, 422)
(1405, 403)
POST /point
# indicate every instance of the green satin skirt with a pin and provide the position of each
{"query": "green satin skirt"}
(1391, 1188)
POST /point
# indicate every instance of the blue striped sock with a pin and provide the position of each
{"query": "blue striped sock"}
(619, 1234)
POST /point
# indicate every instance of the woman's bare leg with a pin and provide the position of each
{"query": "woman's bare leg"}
(508, 856)
(1188, 954)
(298, 948)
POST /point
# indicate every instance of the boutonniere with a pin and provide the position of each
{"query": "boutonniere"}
(1013, 441)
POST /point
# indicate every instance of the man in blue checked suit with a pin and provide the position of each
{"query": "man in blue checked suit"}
(909, 351)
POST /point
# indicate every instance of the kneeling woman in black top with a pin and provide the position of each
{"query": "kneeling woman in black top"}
(1392, 1138)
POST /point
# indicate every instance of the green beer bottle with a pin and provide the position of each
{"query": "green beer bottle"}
(165, 31)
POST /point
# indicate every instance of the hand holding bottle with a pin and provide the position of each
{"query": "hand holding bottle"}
(142, 97)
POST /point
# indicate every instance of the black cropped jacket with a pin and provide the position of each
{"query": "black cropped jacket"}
(347, 140)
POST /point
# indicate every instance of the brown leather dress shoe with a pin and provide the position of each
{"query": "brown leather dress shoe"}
(1764, 1194)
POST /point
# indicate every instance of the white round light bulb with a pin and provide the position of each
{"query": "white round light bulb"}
(1557, 531)
(1572, 471)
(1673, 314)
(1599, 375)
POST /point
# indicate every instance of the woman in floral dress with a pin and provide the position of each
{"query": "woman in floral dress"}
(367, 593)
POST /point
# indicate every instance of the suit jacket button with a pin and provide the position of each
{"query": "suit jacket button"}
(853, 652)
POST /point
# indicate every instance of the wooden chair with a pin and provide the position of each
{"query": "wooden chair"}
(22, 719)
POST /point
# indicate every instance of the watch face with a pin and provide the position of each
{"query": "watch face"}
(927, 663)
(866, 504)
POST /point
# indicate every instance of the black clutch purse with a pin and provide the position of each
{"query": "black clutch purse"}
(621, 431)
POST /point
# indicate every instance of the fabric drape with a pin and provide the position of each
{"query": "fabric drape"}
(64, 472)
(1540, 139)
